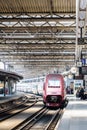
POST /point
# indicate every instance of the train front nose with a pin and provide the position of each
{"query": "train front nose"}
(54, 98)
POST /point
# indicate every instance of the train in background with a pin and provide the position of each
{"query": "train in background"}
(34, 85)
(54, 91)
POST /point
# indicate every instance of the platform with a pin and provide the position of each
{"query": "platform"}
(75, 116)
(7, 98)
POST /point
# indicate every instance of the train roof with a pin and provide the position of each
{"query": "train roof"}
(54, 74)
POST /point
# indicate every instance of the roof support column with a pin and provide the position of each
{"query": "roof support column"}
(4, 86)
(77, 16)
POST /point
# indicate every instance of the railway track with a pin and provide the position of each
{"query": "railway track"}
(12, 103)
(21, 106)
(27, 124)
(31, 118)
(15, 120)
(45, 119)
(54, 120)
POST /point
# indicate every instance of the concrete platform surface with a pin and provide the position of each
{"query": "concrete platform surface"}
(6, 98)
(74, 117)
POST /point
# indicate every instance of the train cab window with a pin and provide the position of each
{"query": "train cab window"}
(54, 83)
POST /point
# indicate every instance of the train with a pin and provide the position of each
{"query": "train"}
(34, 86)
(54, 91)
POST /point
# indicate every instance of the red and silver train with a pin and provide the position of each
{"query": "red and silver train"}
(54, 93)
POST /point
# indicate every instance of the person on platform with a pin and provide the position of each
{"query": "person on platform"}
(81, 93)
(78, 92)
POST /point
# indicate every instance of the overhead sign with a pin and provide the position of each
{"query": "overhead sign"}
(83, 61)
(80, 41)
(79, 64)
(84, 70)
(86, 61)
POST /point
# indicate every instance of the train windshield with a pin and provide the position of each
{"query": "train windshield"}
(54, 83)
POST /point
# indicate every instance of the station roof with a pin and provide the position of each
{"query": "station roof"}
(11, 75)
(37, 6)
(39, 36)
